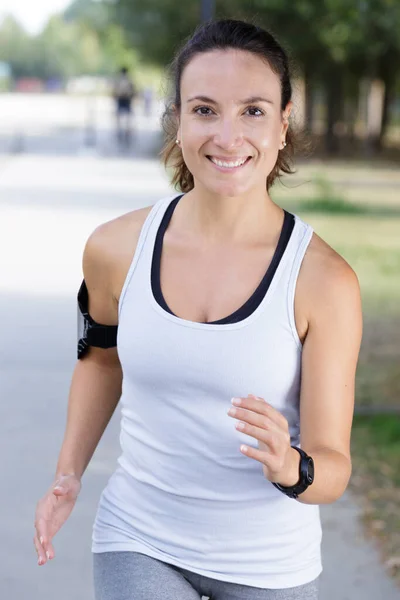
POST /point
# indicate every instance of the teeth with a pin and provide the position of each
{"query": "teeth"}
(229, 165)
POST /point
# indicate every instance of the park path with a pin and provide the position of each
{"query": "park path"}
(49, 204)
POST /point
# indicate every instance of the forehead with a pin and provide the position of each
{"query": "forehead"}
(229, 72)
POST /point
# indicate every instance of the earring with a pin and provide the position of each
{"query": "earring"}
(177, 142)
(284, 144)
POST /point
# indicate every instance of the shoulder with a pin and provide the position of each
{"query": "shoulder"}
(108, 254)
(111, 238)
(327, 271)
(328, 286)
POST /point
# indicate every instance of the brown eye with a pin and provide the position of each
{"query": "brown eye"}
(254, 111)
(204, 111)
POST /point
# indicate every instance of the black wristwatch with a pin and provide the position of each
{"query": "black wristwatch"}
(306, 472)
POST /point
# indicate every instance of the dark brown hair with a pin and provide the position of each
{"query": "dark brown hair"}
(222, 35)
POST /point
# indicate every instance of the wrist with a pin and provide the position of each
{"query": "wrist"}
(306, 476)
(67, 473)
(291, 473)
(69, 466)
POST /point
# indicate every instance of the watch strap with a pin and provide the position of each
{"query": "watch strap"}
(304, 480)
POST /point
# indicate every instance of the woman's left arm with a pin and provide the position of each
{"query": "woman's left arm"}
(328, 301)
(329, 361)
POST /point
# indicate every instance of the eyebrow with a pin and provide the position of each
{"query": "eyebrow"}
(251, 100)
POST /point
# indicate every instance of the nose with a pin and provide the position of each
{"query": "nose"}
(228, 134)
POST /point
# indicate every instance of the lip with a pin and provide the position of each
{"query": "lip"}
(230, 159)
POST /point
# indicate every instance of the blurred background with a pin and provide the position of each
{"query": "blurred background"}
(67, 164)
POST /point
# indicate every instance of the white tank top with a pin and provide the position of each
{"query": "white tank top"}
(183, 492)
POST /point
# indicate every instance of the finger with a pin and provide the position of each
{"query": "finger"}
(42, 559)
(49, 549)
(47, 546)
(270, 461)
(66, 485)
(60, 490)
(273, 413)
(252, 403)
(266, 459)
(61, 487)
(258, 434)
(44, 537)
(253, 453)
(260, 406)
(253, 418)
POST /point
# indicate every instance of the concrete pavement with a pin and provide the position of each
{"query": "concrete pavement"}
(48, 207)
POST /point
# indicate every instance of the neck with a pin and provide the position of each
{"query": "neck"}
(232, 219)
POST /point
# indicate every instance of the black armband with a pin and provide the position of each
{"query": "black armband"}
(91, 333)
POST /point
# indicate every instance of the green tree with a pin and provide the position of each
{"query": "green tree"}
(99, 18)
(16, 47)
(156, 28)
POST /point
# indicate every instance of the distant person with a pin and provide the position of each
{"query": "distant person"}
(229, 332)
(148, 101)
(124, 93)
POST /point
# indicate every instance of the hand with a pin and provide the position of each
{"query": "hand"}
(51, 513)
(269, 427)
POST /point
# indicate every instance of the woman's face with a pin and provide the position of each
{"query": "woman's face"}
(231, 126)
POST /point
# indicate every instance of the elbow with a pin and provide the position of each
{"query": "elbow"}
(341, 482)
(333, 472)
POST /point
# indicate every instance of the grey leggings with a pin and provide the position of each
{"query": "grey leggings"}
(134, 576)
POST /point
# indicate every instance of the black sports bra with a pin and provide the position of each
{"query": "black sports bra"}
(256, 298)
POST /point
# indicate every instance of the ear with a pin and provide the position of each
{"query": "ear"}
(285, 117)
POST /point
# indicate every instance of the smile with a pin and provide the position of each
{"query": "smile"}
(232, 164)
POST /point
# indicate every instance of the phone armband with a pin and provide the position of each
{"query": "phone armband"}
(91, 333)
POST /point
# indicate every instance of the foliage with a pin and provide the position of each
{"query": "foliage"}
(82, 41)
(15, 46)
(157, 28)
(95, 15)
(335, 31)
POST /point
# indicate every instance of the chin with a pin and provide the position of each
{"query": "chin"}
(227, 190)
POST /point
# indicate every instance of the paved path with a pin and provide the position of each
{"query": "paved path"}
(48, 207)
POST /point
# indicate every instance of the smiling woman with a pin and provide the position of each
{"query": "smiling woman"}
(237, 332)
(227, 58)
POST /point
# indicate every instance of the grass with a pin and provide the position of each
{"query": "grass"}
(332, 206)
(361, 221)
(376, 480)
(328, 200)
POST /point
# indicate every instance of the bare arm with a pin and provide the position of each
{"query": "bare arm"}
(97, 379)
(96, 382)
(94, 394)
(329, 362)
(328, 317)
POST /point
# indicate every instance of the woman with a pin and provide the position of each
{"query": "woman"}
(218, 293)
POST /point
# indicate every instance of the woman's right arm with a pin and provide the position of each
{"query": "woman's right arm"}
(94, 393)
(97, 378)
(96, 382)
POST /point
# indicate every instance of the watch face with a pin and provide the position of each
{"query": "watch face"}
(310, 471)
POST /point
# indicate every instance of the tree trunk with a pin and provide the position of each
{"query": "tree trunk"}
(309, 101)
(334, 102)
(387, 100)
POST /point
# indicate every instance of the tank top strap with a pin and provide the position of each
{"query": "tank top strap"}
(144, 248)
(304, 233)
